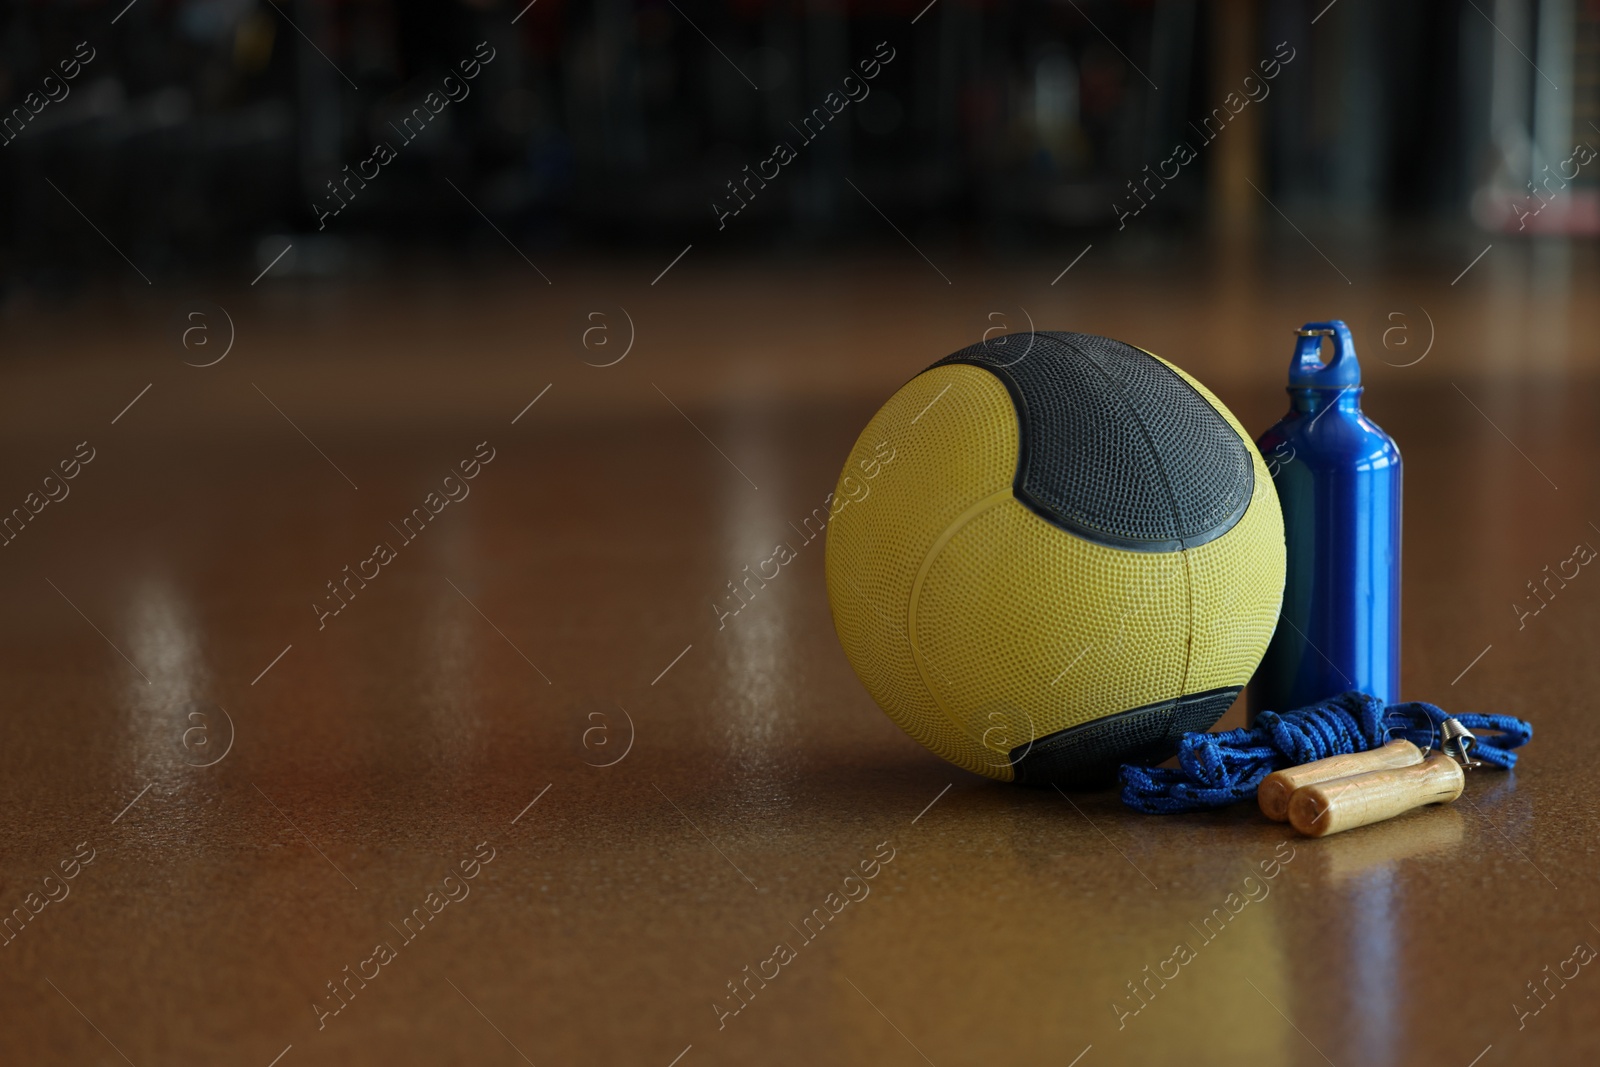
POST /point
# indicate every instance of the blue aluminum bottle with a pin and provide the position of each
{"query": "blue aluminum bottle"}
(1338, 480)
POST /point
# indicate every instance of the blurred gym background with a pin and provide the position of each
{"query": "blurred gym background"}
(203, 131)
(570, 175)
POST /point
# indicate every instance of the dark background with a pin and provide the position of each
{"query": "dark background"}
(202, 133)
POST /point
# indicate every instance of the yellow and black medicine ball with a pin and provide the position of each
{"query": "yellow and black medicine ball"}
(1074, 556)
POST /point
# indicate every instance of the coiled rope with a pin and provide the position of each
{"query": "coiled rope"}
(1217, 769)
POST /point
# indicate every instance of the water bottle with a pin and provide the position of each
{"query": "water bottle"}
(1338, 480)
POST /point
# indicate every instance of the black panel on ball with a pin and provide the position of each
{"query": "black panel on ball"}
(1115, 447)
(1087, 756)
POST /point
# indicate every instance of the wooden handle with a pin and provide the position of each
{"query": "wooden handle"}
(1276, 788)
(1345, 803)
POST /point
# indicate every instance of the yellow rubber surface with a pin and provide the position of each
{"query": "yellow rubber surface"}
(978, 626)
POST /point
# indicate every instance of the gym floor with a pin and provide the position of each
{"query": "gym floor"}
(241, 786)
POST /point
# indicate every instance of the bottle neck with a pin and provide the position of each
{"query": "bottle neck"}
(1311, 401)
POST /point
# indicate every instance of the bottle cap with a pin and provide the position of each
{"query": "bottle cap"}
(1307, 371)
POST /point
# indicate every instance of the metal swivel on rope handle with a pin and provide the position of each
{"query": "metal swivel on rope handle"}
(1456, 742)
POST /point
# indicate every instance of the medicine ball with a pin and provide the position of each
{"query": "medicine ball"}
(1068, 555)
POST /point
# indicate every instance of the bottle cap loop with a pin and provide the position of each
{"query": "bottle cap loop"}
(1308, 371)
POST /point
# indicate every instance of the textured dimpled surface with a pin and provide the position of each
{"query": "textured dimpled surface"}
(1033, 630)
(981, 625)
(1088, 756)
(953, 437)
(1115, 446)
(1237, 583)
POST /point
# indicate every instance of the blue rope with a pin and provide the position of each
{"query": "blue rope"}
(1219, 769)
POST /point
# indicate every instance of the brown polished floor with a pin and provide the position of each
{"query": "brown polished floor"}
(539, 677)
